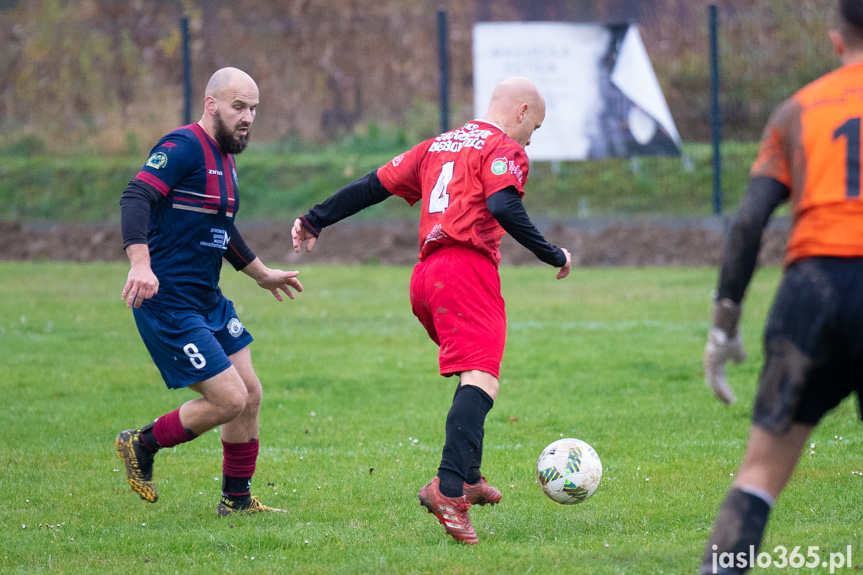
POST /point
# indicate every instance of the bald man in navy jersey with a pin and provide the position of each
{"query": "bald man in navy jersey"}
(178, 224)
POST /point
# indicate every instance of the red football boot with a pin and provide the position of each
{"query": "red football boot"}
(450, 511)
(481, 493)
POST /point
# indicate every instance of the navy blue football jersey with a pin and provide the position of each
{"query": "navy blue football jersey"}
(189, 229)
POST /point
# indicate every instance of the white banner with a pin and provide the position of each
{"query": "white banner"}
(602, 96)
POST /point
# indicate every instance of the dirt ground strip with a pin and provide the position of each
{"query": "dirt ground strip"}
(594, 243)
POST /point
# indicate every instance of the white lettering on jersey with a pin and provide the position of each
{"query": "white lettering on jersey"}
(216, 172)
(516, 171)
(221, 239)
(468, 136)
(439, 198)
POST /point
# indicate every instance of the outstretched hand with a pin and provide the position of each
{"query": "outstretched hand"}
(300, 234)
(275, 280)
(564, 271)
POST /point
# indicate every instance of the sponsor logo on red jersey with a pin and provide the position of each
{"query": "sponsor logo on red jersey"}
(516, 171)
(499, 166)
(435, 234)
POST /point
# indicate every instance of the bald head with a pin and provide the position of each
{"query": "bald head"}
(517, 107)
(514, 90)
(227, 80)
(230, 103)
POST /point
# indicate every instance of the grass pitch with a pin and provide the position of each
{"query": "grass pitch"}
(352, 426)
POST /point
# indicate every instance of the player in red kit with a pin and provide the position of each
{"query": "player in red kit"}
(470, 182)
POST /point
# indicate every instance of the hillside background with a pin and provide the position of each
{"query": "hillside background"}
(88, 86)
(106, 76)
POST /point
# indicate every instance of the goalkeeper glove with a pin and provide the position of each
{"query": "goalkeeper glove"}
(724, 342)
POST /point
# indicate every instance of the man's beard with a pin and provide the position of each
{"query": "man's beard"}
(225, 137)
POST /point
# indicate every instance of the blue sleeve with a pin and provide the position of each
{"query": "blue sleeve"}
(171, 160)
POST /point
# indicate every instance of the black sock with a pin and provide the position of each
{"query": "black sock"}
(237, 488)
(739, 525)
(462, 451)
(473, 473)
(451, 482)
(148, 439)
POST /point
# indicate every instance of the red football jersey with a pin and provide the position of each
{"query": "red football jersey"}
(453, 174)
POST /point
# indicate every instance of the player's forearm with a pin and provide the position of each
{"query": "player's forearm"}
(354, 197)
(507, 208)
(135, 204)
(740, 254)
(139, 255)
(255, 269)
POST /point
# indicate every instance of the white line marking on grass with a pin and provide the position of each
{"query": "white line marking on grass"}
(604, 325)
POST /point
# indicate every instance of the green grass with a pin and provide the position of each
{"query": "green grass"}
(611, 356)
(280, 184)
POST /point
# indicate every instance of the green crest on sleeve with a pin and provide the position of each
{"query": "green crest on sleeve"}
(498, 166)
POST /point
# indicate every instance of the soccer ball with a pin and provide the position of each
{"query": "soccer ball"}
(568, 471)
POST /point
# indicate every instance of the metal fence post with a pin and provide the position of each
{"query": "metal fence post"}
(187, 72)
(715, 124)
(443, 56)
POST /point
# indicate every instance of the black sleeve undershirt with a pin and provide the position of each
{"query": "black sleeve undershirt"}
(238, 253)
(358, 195)
(507, 208)
(135, 205)
(740, 254)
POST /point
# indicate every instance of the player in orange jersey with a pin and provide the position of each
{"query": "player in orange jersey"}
(469, 182)
(810, 153)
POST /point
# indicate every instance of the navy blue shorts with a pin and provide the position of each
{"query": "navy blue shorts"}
(813, 343)
(189, 346)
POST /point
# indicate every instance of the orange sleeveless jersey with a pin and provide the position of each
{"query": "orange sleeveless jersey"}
(812, 145)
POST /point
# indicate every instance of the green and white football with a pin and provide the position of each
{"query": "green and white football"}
(569, 470)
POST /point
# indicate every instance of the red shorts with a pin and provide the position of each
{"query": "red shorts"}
(455, 293)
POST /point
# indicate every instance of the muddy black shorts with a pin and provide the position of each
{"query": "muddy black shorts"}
(813, 343)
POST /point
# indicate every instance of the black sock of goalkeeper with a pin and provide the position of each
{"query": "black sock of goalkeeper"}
(739, 526)
(462, 450)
